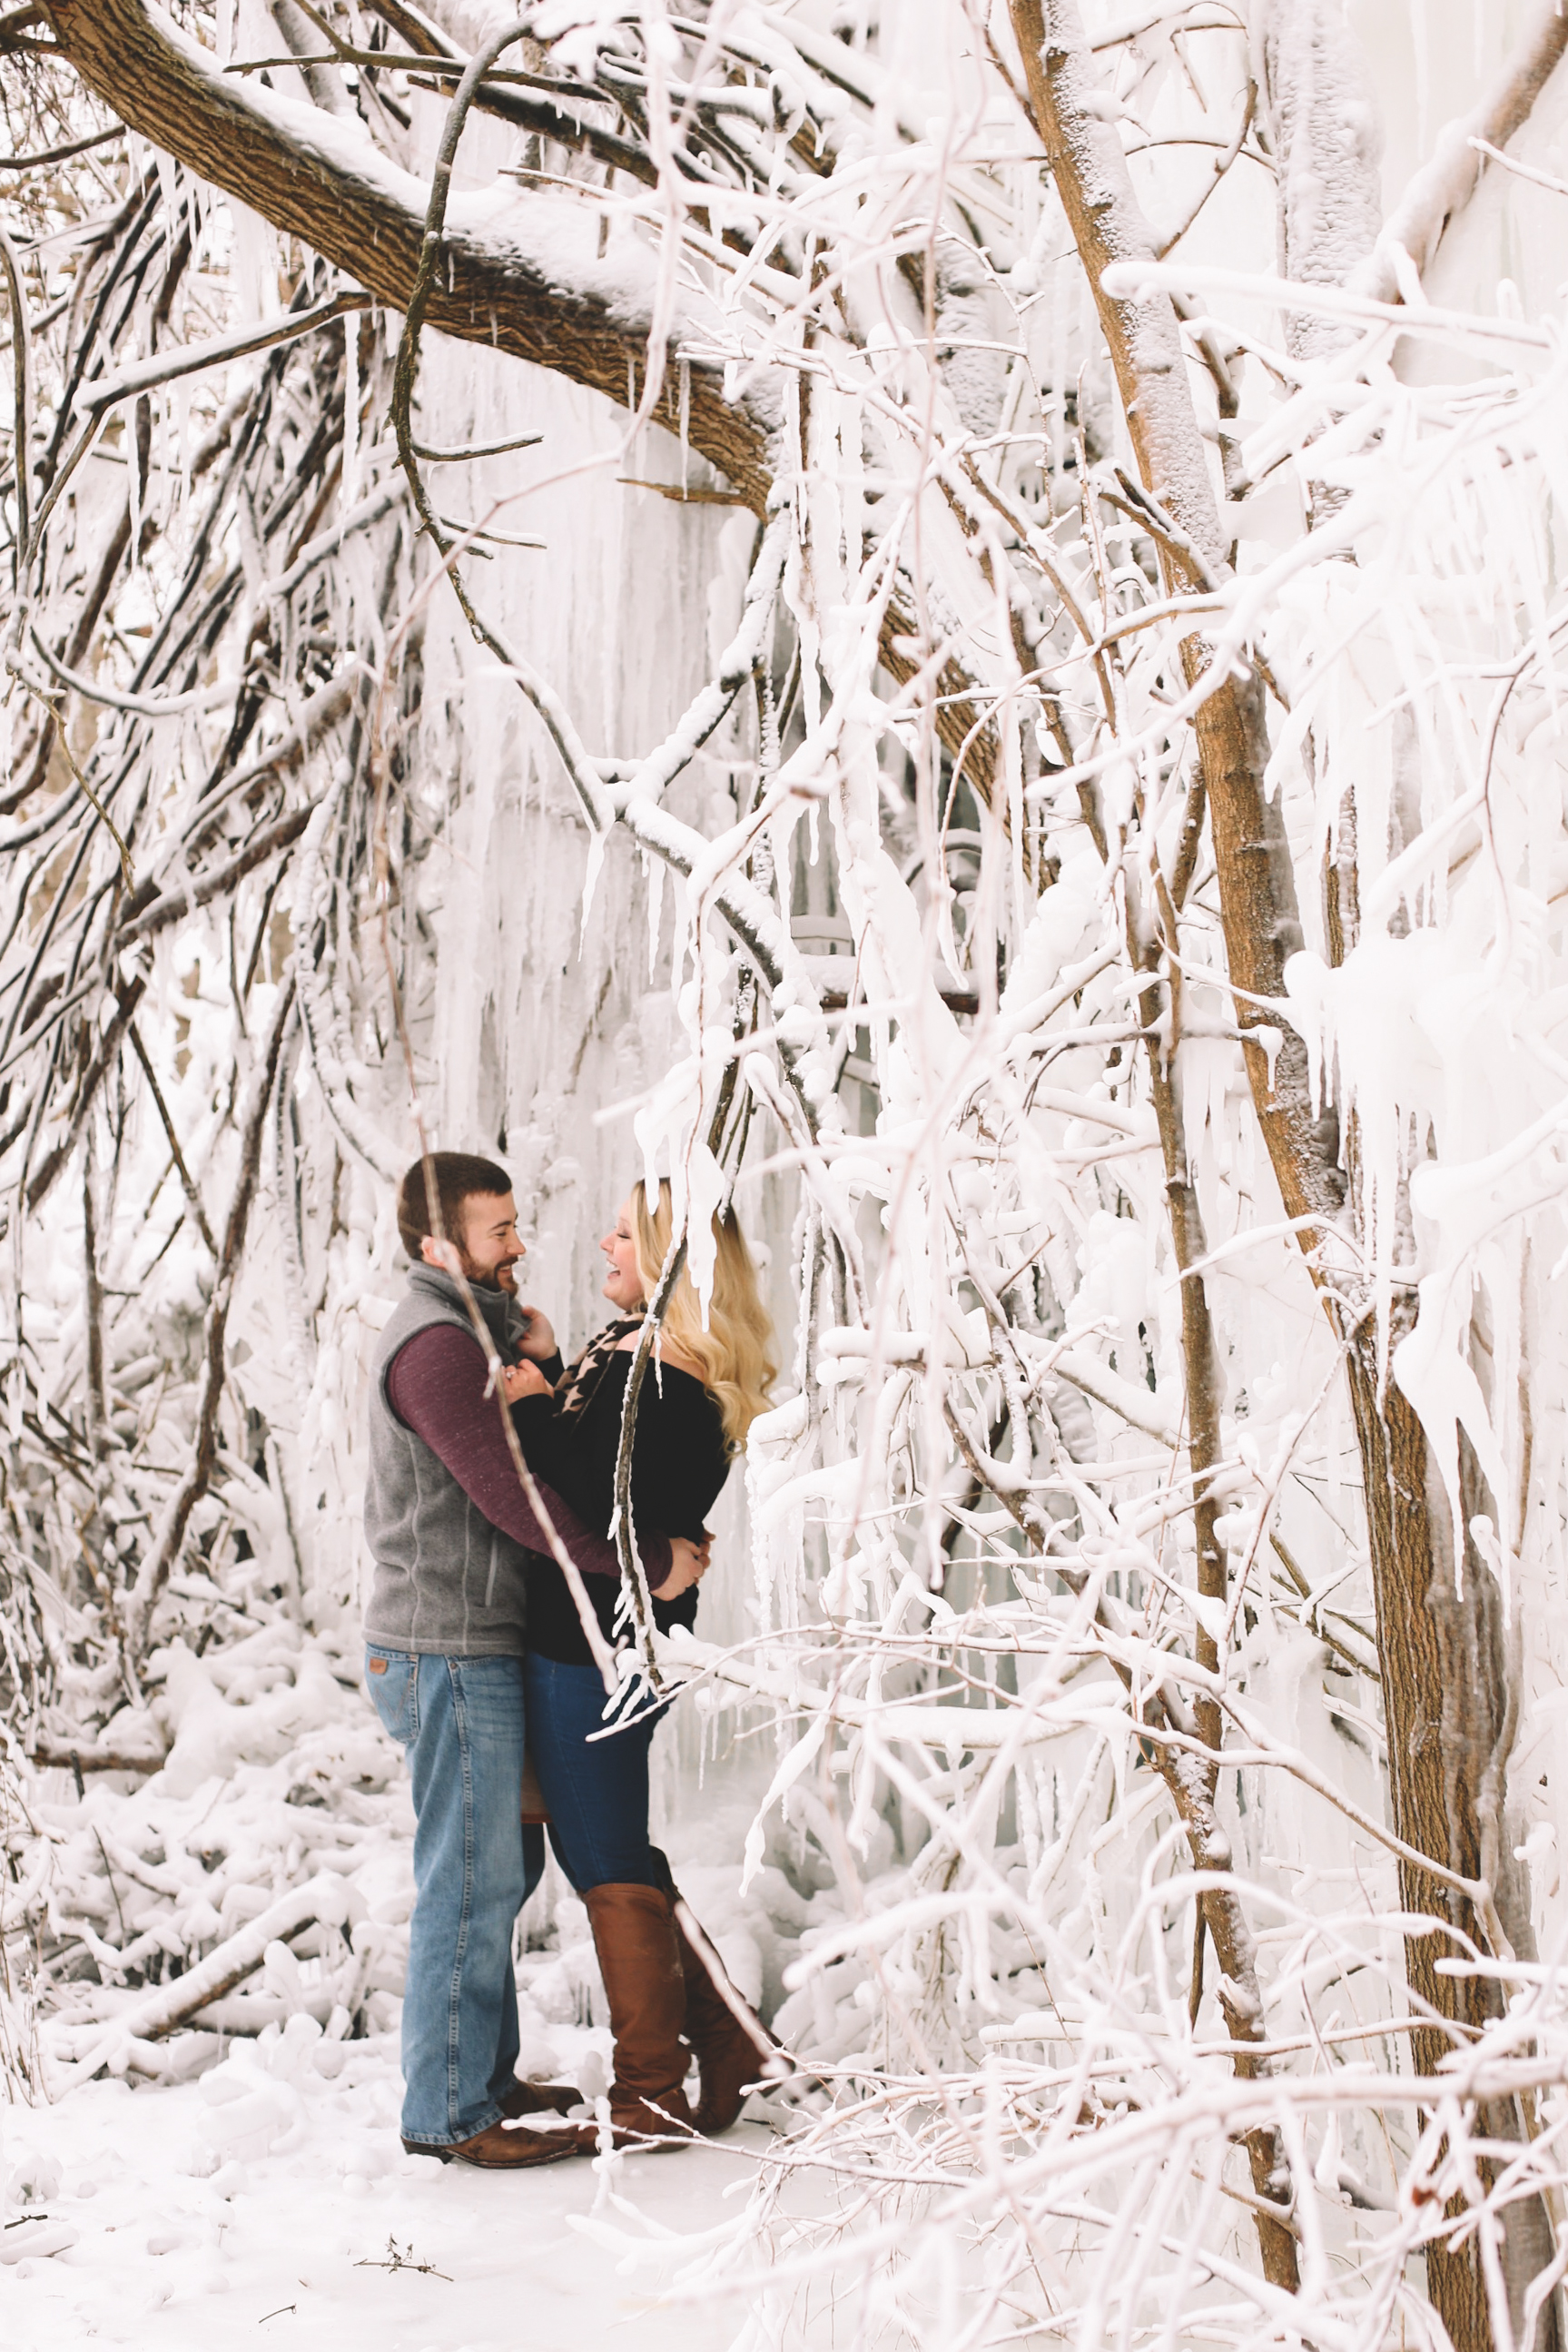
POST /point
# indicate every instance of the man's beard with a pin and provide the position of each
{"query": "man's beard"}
(498, 1278)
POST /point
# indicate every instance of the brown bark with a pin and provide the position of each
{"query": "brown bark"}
(53, 1753)
(96, 1396)
(1191, 1787)
(1161, 1025)
(485, 292)
(127, 997)
(73, 653)
(1257, 899)
(1447, 1685)
(1191, 1782)
(156, 913)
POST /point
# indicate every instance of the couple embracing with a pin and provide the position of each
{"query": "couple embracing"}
(473, 1643)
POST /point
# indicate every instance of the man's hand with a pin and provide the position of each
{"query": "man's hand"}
(539, 1339)
(689, 1566)
(519, 1380)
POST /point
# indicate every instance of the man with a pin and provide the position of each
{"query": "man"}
(449, 1527)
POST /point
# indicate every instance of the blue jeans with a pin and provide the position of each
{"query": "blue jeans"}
(596, 1790)
(460, 1724)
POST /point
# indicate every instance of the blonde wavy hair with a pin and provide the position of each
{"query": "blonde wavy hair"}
(734, 1353)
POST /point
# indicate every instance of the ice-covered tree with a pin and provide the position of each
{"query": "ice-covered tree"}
(1063, 516)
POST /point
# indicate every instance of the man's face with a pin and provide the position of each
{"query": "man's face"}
(491, 1247)
(488, 1242)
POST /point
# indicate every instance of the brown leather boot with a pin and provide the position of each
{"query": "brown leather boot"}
(639, 1961)
(540, 2099)
(729, 2057)
(506, 2147)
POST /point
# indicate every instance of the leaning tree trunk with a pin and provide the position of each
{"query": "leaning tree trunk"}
(1449, 1706)
(1445, 1688)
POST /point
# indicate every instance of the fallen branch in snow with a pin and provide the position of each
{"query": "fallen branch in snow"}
(398, 2259)
(323, 1897)
(54, 1755)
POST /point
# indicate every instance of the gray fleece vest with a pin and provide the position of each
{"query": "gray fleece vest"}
(446, 1579)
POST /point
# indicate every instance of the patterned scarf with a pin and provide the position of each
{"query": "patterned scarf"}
(578, 1381)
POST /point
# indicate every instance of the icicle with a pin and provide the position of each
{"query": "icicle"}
(653, 872)
(592, 864)
(169, 182)
(686, 415)
(350, 490)
(1421, 40)
(135, 486)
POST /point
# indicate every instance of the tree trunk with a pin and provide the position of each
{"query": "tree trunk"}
(1449, 1710)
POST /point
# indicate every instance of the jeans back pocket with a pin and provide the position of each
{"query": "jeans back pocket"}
(392, 1678)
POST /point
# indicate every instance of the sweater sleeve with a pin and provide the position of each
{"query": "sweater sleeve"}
(435, 1385)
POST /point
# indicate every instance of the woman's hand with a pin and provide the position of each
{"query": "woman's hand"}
(538, 1337)
(519, 1380)
(689, 1567)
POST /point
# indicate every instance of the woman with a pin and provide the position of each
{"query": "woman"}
(699, 1397)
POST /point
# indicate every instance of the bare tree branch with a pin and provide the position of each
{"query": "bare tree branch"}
(154, 1570)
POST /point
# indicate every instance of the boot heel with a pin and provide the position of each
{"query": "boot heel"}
(733, 2051)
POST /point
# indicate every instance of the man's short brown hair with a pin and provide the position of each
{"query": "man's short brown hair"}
(458, 1176)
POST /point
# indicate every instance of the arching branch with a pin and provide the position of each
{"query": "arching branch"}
(523, 275)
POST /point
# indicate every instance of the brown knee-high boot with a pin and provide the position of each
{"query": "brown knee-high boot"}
(729, 2056)
(640, 1960)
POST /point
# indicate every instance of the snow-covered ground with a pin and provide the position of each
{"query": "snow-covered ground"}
(323, 2241)
(253, 2155)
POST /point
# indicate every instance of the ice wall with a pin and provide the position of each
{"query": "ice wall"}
(547, 1012)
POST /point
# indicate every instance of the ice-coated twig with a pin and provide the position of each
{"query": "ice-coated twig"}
(154, 1570)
